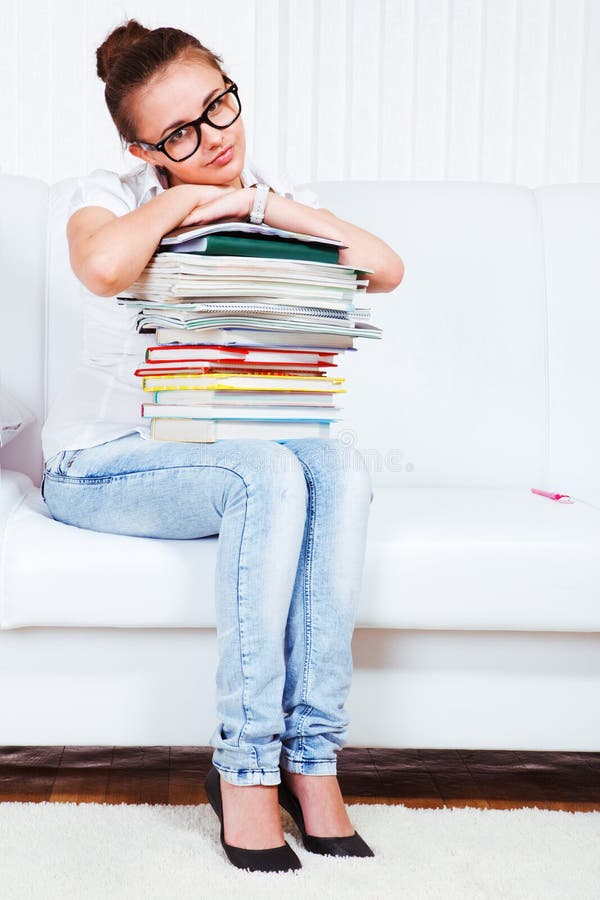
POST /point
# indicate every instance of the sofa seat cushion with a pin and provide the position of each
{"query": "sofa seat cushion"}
(482, 558)
(437, 558)
(60, 575)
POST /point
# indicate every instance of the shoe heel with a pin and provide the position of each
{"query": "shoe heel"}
(213, 791)
(292, 805)
(273, 859)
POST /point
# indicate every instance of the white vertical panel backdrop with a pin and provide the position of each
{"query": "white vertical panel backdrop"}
(472, 90)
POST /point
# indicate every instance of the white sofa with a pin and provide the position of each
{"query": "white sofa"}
(479, 617)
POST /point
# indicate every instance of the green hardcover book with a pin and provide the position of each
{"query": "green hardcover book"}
(226, 245)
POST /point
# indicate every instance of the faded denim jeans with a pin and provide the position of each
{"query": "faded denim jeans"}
(292, 518)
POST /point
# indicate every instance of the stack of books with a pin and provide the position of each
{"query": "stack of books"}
(248, 321)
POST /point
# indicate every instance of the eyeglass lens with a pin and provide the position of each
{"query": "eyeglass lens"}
(222, 112)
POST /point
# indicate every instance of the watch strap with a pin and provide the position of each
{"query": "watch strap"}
(257, 213)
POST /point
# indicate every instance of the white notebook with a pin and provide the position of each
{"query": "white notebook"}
(192, 231)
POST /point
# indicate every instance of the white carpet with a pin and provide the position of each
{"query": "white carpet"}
(91, 851)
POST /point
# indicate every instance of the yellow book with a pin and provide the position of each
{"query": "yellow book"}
(238, 382)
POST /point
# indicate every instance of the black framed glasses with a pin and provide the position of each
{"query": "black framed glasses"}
(183, 142)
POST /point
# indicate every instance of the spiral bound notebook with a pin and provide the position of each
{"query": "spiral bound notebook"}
(198, 305)
(147, 318)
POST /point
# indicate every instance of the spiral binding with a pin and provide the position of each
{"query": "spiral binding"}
(277, 308)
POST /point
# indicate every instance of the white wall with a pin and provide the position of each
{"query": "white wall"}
(492, 90)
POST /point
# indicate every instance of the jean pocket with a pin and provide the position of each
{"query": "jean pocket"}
(61, 462)
(51, 465)
(68, 460)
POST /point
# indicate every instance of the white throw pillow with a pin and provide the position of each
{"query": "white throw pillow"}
(14, 417)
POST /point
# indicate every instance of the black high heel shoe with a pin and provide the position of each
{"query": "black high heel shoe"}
(273, 859)
(347, 845)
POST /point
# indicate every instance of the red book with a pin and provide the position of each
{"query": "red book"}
(249, 368)
(175, 353)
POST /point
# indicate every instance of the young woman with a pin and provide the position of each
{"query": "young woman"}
(291, 515)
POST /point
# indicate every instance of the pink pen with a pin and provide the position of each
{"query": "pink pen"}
(561, 498)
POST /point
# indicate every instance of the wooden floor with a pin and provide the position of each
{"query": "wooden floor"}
(503, 779)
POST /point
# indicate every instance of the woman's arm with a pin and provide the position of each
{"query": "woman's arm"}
(364, 248)
(108, 252)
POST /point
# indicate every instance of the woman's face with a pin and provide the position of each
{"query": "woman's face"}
(179, 97)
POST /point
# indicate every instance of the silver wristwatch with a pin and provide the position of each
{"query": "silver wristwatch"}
(257, 213)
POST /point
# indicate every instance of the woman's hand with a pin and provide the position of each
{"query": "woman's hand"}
(363, 249)
(214, 203)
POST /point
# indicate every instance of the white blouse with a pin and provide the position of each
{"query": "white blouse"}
(103, 398)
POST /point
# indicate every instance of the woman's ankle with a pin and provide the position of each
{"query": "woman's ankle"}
(323, 808)
(251, 816)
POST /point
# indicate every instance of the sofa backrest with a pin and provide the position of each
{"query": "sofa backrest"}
(485, 372)
(571, 235)
(23, 268)
(491, 341)
(454, 393)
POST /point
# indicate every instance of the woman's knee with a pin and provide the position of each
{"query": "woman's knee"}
(269, 469)
(328, 459)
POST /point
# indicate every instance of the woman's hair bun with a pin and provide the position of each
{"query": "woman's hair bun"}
(131, 57)
(118, 41)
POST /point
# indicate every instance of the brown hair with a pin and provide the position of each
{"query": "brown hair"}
(132, 55)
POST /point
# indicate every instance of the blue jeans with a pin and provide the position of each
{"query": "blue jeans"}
(292, 519)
